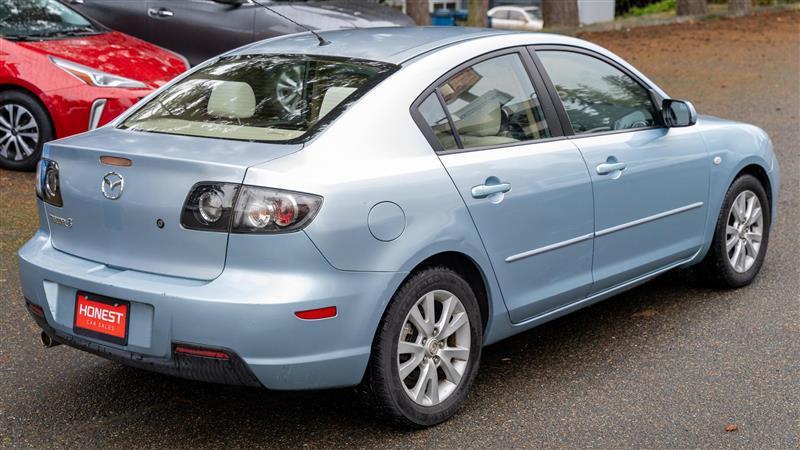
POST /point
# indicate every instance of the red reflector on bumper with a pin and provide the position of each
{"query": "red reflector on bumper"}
(315, 314)
(36, 309)
(205, 353)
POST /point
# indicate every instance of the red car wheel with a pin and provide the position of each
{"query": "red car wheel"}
(24, 128)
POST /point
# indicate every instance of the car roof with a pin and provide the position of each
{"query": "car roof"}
(393, 45)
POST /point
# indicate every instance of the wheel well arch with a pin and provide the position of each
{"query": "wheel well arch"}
(5, 87)
(469, 270)
(760, 174)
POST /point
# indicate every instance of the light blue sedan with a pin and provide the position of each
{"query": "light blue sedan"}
(376, 209)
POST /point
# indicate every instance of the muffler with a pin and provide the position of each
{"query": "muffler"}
(48, 340)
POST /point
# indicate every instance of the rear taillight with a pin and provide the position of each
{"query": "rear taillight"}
(209, 207)
(247, 209)
(48, 184)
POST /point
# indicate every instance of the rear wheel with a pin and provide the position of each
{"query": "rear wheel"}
(24, 128)
(741, 235)
(426, 352)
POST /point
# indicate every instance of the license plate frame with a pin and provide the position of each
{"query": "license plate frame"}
(85, 328)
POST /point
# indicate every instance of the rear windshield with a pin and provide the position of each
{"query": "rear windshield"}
(284, 98)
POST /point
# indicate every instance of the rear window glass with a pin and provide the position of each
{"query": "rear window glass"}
(259, 97)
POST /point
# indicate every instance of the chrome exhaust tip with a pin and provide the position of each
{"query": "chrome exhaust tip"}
(47, 340)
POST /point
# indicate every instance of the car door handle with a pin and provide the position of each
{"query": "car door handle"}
(606, 168)
(485, 190)
(159, 12)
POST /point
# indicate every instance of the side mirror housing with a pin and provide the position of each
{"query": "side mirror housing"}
(678, 113)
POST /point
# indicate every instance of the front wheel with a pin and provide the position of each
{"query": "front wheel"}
(24, 128)
(426, 351)
(741, 235)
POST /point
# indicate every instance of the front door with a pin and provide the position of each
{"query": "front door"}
(650, 182)
(526, 187)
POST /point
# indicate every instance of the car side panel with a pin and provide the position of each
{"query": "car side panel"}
(738, 146)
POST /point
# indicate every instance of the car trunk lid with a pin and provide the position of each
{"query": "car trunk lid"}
(125, 233)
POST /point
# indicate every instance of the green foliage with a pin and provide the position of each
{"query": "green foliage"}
(653, 8)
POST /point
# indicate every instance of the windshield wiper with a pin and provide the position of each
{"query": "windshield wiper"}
(16, 37)
(79, 31)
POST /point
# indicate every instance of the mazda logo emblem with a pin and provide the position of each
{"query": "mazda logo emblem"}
(112, 185)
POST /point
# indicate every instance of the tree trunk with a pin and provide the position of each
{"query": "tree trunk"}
(691, 7)
(560, 13)
(418, 11)
(478, 13)
(740, 7)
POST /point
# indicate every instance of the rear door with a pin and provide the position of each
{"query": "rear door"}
(200, 29)
(650, 182)
(526, 187)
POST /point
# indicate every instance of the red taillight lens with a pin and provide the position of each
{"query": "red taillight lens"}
(316, 314)
(212, 206)
(201, 352)
(265, 210)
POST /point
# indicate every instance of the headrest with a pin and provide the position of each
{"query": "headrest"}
(333, 96)
(232, 100)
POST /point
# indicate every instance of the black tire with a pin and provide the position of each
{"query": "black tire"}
(33, 110)
(716, 268)
(382, 383)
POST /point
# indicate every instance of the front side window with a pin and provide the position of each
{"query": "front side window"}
(494, 103)
(597, 96)
(258, 97)
(22, 19)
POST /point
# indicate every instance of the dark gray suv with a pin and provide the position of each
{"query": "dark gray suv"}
(200, 29)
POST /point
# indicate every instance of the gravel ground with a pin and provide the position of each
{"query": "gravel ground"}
(669, 364)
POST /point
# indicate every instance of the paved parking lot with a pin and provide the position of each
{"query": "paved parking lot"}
(668, 364)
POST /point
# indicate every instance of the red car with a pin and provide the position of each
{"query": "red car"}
(62, 73)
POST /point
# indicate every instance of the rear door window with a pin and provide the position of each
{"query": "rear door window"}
(494, 103)
(434, 115)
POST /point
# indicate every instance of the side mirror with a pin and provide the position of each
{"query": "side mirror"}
(678, 113)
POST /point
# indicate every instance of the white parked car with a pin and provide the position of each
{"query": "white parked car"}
(527, 18)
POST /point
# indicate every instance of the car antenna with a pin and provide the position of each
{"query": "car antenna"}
(322, 41)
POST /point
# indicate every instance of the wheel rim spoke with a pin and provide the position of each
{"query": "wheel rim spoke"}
(753, 237)
(407, 367)
(22, 149)
(450, 372)
(459, 320)
(422, 325)
(753, 217)
(4, 148)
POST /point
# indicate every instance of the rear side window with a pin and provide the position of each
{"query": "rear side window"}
(434, 115)
(494, 103)
(597, 96)
(259, 97)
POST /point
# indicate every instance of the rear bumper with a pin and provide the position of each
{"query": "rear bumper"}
(231, 371)
(246, 311)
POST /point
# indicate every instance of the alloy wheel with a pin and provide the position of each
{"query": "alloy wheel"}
(19, 132)
(744, 231)
(433, 348)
